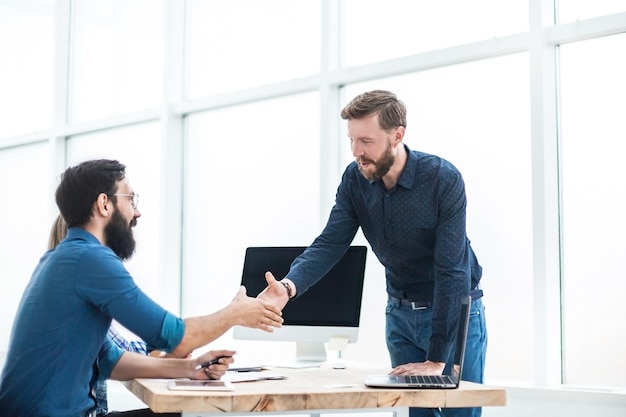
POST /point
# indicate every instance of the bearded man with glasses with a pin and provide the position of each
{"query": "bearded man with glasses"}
(59, 345)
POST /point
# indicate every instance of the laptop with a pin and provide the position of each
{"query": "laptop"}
(432, 381)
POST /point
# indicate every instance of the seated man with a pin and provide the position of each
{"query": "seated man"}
(59, 345)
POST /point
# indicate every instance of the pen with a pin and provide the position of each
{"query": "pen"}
(211, 362)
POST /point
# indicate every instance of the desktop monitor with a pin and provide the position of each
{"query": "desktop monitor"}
(329, 309)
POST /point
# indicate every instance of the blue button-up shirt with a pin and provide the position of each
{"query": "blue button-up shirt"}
(416, 230)
(58, 345)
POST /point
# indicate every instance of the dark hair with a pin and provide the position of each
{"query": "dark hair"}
(82, 184)
(391, 111)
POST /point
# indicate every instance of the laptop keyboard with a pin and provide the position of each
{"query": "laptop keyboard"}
(424, 379)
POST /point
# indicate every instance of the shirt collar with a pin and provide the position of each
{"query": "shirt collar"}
(80, 233)
(407, 178)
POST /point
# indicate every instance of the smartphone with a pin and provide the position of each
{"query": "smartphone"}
(199, 385)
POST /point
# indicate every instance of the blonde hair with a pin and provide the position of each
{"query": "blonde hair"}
(57, 232)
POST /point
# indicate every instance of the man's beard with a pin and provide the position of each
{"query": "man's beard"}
(383, 165)
(119, 236)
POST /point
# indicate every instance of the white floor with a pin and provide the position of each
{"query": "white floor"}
(121, 399)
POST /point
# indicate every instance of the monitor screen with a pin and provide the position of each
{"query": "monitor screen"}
(329, 309)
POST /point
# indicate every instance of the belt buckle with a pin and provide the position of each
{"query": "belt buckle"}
(416, 306)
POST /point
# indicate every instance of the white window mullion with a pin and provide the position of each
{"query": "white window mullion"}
(171, 141)
(60, 94)
(330, 97)
(546, 254)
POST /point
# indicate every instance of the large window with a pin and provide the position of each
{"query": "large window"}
(26, 70)
(376, 30)
(574, 10)
(117, 57)
(594, 201)
(238, 44)
(25, 222)
(251, 179)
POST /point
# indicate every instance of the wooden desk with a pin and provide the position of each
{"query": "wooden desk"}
(310, 389)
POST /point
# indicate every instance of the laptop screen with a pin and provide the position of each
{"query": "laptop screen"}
(461, 339)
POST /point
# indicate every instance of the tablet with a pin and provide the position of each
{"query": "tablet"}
(246, 368)
(251, 376)
(199, 385)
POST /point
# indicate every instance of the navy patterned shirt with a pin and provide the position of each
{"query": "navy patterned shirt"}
(416, 230)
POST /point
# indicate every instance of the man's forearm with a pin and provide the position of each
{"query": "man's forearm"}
(134, 365)
(242, 310)
(202, 330)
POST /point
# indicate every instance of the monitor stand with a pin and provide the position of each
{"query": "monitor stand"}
(308, 355)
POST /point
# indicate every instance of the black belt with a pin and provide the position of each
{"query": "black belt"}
(423, 305)
(476, 294)
(415, 305)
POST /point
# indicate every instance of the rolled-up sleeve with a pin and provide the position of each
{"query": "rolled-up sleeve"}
(108, 357)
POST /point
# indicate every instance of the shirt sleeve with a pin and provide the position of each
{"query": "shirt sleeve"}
(328, 248)
(107, 285)
(452, 263)
(108, 357)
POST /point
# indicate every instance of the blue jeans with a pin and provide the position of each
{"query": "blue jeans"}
(408, 337)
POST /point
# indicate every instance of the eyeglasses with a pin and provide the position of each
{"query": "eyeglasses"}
(134, 201)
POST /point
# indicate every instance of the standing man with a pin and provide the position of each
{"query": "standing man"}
(411, 207)
(59, 345)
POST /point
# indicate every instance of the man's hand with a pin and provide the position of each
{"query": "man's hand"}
(242, 310)
(419, 368)
(255, 312)
(275, 292)
(215, 370)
